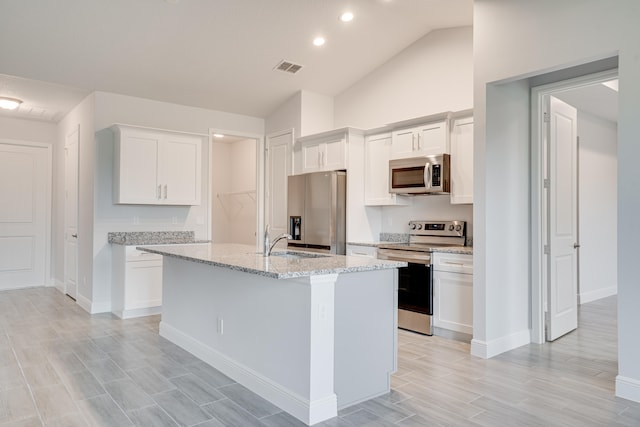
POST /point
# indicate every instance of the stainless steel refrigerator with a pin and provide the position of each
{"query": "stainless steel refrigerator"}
(317, 212)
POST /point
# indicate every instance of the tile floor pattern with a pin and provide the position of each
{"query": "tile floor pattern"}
(60, 366)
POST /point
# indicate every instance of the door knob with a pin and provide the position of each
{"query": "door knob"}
(576, 246)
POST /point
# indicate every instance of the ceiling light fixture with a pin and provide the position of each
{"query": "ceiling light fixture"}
(346, 17)
(9, 103)
(218, 135)
(318, 41)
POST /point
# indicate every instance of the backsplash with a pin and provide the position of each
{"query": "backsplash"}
(394, 237)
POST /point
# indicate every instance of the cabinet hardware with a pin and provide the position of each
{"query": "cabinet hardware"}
(165, 191)
(75, 236)
(159, 196)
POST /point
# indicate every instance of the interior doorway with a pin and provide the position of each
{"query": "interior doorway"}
(234, 177)
(594, 203)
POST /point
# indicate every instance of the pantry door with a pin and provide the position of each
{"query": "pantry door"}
(25, 212)
(71, 213)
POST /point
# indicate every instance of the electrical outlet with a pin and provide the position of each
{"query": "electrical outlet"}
(136, 220)
(220, 326)
(174, 220)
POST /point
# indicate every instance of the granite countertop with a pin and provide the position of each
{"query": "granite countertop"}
(131, 238)
(245, 258)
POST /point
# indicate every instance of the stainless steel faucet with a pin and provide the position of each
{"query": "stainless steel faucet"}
(267, 246)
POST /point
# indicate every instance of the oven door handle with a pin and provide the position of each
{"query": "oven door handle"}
(404, 256)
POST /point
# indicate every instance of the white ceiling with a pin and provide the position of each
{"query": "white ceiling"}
(215, 54)
(597, 99)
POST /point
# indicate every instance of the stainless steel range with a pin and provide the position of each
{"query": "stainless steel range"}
(415, 289)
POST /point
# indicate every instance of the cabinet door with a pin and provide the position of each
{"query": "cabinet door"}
(453, 301)
(333, 155)
(376, 167)
(137, 180)
(433, 138)
(180, 170)
(403, 143)
(143, 286)
(462, 161)
(311, 160)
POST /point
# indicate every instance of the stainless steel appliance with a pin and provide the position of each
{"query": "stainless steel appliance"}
(415, 285)
(420, 175)
(317, 211)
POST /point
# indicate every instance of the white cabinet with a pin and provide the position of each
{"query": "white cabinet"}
(453, 291)
(377, 153)
(424, 140)
(362, 250)
(136, 288)
(320, 153)
(462, 160)
(156, 167)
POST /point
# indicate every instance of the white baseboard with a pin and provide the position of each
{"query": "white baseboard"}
(84, 303)
(59, 285)
(100, 307)
(586, 297)
(489, 349)
(296, 405)
(628, 388)
(138, 312)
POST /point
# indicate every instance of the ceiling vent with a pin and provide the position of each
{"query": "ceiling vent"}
(287, 67)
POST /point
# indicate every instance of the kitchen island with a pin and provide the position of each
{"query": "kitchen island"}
(309, 333)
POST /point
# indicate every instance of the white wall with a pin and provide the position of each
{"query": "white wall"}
(234, 171)
(113, 108)
(317, 113)
(432, 75)
(47, 133)
(597, 207)
(435, 207)
(551, 35)
(286, 116)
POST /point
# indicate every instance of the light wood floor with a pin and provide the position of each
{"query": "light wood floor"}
(60, 366)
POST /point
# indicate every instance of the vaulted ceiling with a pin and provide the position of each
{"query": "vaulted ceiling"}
(215, 54)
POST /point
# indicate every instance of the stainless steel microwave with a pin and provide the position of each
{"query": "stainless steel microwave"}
(420, 175)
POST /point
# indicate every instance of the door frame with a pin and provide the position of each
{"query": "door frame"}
(48, 280)
(260, 179)
(267, 171)
(538, 194)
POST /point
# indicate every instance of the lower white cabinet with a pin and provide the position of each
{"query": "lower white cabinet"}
(136, 287)
(453, 291)
(362, 250)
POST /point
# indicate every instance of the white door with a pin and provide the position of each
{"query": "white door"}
(562, 293)
(25, 177)
(71, 213)
(278, 169)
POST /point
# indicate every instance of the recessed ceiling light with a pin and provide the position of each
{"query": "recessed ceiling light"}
(318, 41)
(9, 103)
(218, 135)
(346, 17)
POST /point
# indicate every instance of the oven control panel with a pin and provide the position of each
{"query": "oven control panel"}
(438, 228)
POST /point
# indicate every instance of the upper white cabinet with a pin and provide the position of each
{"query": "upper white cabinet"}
(377, 153)
(153, 167)
(462, 160)
(322, 152)
(424, 140)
